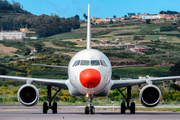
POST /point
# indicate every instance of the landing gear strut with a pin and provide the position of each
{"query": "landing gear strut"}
(123, 106)
(46, 107)
(90, 108)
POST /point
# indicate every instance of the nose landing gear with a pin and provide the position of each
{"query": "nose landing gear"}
(90, 108)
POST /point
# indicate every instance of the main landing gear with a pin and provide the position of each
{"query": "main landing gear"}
(123, 106)
(90, 108)
(53, 107)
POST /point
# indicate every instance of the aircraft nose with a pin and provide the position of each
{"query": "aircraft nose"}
(90, 78)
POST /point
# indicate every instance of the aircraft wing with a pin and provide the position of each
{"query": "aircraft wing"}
(125, 83)
(52, 82)
(51, 66)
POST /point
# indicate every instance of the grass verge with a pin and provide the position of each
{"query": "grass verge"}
(159, 109)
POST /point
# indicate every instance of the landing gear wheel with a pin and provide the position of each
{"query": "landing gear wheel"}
(54, 108)
(45, 107)
(132, 108)
(123, 108)
(86, 110)
(92, 109)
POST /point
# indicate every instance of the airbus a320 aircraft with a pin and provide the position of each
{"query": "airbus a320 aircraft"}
(89, 74)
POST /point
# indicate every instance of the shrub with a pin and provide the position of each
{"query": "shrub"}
(168, 28)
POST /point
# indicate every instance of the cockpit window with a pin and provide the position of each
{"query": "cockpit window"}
(76, 63)
(103, 63)
(87, 62)
(95, 62)
(84, 62)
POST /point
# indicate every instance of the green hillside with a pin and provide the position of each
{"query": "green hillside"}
(13, 17)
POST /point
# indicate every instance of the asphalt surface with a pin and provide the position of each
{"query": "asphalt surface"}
(9, 112)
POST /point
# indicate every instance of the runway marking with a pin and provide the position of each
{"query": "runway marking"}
(12, 110)
(16, 110)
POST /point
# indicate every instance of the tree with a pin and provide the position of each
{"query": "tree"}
(111, 22)
(27, 51)
(130, 14)
(138, 13)
(167, 28)
(148, 21)
(65, 27)
(114, 16)
(175, 70)
(2, 71)
(178, 22)
(38, 47)
(135, 37)
(85, 16)
(16, 6)
(168, 12)
(77, 17)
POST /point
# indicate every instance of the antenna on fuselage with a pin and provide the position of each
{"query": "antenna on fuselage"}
(89, 29)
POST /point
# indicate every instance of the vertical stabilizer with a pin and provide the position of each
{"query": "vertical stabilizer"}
(89, 29)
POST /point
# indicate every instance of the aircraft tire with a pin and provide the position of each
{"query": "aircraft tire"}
(45, 107)
(132, 108)
(54, 108)
(92, 109)
(86, 110)
(123, 108)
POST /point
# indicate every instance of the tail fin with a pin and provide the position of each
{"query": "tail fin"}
(89, 30)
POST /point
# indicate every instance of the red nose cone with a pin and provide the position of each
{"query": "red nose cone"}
(90, 78)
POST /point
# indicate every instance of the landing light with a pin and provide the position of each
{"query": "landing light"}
(87, 95)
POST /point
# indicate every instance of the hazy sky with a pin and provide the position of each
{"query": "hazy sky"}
(99, 8)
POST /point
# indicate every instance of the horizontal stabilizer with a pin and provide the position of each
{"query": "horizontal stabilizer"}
(51, 66)
(125, 66)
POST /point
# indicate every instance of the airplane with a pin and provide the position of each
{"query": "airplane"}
(89, 75)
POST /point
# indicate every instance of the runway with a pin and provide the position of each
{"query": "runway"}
(35, 113)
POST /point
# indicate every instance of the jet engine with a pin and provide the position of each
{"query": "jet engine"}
(150, 96)
(28, 95)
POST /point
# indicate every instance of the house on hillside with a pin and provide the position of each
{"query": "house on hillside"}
(119, 39)
(97, 20)
(12, 35)
(23, 29)
(110, 18)
(139, 48)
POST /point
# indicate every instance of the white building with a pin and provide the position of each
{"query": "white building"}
(14, 35)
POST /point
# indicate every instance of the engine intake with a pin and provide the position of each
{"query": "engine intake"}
(150, 96)
(28, 95)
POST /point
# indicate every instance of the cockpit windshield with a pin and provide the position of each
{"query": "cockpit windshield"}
(85, 62)
(90, 62)
(95, 62)
(103, 63)
(76, 63)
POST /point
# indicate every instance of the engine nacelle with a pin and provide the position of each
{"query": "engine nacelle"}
(28, 95)
(150, 96)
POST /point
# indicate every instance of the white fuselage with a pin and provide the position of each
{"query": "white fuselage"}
(89, 72)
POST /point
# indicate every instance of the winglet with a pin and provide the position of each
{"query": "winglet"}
(89, 29)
